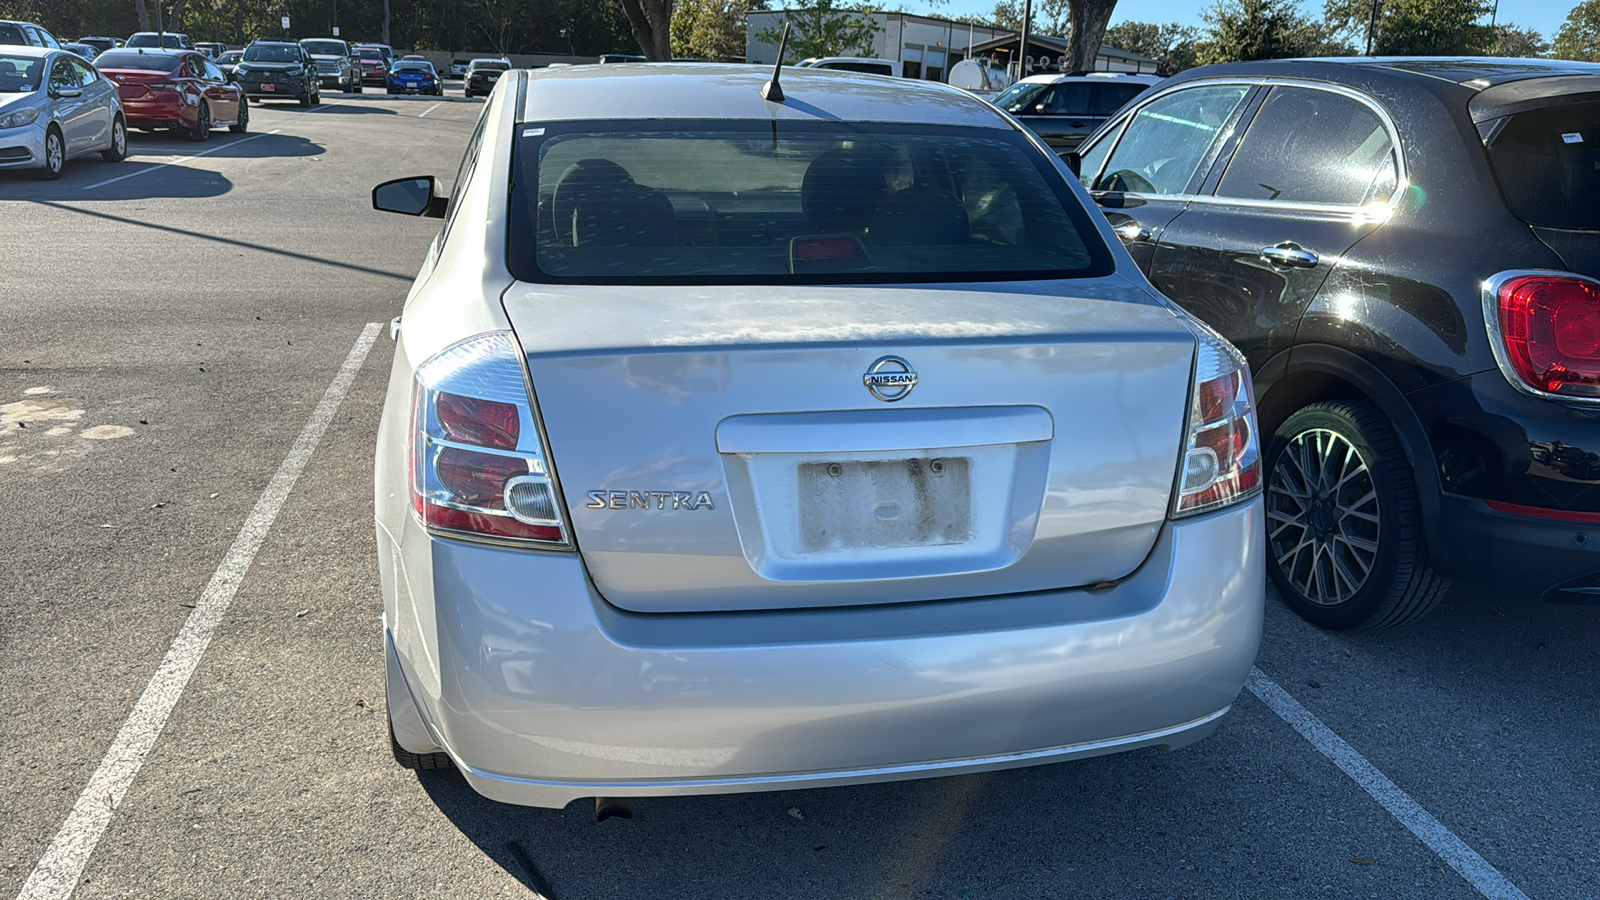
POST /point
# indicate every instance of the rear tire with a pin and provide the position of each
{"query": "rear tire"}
(418, 761)
(243, 125)
(201, 132)
(118, 151)
(1344, 526)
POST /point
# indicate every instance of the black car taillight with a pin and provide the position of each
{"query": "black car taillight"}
(1545, 331)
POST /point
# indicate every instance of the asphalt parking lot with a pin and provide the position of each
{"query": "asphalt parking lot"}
(188, 371)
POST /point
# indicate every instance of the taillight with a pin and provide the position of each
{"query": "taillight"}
(1222, 456)
(477, 467)
(1548, 326)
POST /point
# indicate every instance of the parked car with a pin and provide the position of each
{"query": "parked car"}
(337, 66)
(1065, 109)
(980, 77)
(1407, 250)
(101, 44)
(607, 59)
(55, 107)
(26, 34)
(159, 40)
(414, 56)
(414, 76)
(179, 89)
(458, 67)
(903, 470)
(862, 64)
(482, 75)
(229, 61)
(279, 70)
(211, 49)
(87, 52)
(374, 65)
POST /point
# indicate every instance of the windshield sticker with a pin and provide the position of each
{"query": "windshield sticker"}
(27, 89)
(1572, 137)
(532, 132)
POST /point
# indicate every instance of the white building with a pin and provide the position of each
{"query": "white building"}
(926, 46)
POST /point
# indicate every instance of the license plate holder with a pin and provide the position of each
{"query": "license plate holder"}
(269, 88)
(859, 505)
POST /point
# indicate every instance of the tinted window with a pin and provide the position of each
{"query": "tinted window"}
(20, 74)
(822, 202)
(1069, 98)
(370, 54)
(276, 53)
(1548, 163)
(1311, 146)
(1018, 98)
(122, 59)
(1165, 142)
(11, 34)
(868, 68)
(490, 65)
(1112, 97)
(329, 48)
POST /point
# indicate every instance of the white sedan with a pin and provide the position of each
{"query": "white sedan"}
(54, 106)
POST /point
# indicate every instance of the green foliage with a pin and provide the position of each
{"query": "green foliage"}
(825, 28)
(1417, 27)
(1049, 16)
(1514, 40)
(1579, 37)
(1265, 29)
(1175, 47)
(575, 27)
(709, 29)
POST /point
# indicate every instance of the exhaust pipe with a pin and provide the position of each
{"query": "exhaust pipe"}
(612, 808)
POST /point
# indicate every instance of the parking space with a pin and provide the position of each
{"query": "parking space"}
(170, 327)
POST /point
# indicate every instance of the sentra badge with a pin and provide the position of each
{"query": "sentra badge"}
(890, 378)
(649, 500)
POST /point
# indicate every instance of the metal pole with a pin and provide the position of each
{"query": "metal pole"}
(1372, 24)
(1022, 47)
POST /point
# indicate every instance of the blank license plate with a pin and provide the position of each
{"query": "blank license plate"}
(269, 87)
(882, 504)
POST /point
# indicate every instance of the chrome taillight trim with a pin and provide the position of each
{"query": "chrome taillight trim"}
(1497, 342)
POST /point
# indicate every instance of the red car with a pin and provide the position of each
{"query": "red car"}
(179, 89)
(374, 65)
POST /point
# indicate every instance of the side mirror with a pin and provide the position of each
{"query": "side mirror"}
(411, 197)
(67, 93)
(1074, 161)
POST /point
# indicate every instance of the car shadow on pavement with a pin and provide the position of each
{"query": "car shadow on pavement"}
(157, 166)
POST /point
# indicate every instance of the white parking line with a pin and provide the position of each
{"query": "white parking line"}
(430, 109)
(176, 161)
(58, 871)
(1484, 878)
(327, 103)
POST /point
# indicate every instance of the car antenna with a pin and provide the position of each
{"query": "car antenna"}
(772, 91)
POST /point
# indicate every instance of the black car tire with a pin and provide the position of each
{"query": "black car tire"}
(243, 125)
(417, 761)
(118, 151)
(1338, 486)
(55, 154)
(201, 132)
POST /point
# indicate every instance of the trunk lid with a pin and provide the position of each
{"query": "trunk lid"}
(719, 449)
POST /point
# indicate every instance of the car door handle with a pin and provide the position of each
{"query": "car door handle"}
(1133, 232)
(1289, 254)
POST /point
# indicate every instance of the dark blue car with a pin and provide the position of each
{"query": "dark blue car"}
(414, 76)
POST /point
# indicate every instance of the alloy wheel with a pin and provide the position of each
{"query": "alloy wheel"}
(55, 154)
(1322, 516)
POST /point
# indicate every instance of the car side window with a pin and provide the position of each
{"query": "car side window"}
(212, 72)
(62, 76)
(84, 72)
(1312, 146)
(1163, 145)
(469, 161)
(48, 40)
(1069, 98)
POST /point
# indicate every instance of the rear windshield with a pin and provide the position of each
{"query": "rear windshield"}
(863, 67)
(326, 48)
(122, 59)
(483, 64)
(11, 34)
(1548, 163)
(370, 54)
(20, 74)
(734, 202)
(168, 41)
(271, 53)
(413, 64)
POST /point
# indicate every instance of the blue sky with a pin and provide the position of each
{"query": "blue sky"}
(1544, 16)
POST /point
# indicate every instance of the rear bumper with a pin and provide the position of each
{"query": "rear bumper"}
(155, 115)
(543, 693)
(1532, 556)
(23, 148)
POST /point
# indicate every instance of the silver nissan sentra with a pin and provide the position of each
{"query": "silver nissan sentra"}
(745, 439)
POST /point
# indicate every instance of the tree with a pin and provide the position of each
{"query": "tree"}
(710, 29)
(652, 27)
(1416, 27)
(1579, 37)
(1257, 29)
(1049, 16)
(1172, 46)
(1513, 40)
(825, 29)
(1088, 25)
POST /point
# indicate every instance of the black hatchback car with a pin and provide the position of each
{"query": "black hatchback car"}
(1407, 252)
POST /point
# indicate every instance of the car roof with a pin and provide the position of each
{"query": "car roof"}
(26, 50)
(1136, 77)
(1473, 73)
(733, 91)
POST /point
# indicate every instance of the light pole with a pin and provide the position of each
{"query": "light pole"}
(1022, 49)
(1372, 24)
